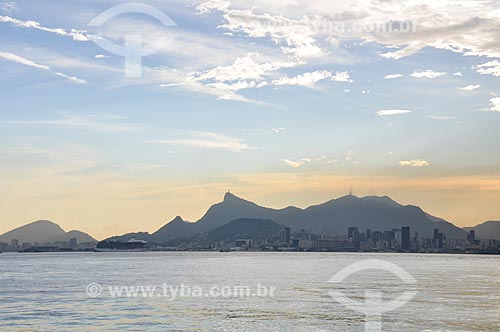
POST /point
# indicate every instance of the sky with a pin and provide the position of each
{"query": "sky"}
(289, 102)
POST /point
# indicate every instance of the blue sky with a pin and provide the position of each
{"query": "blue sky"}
(285, 103)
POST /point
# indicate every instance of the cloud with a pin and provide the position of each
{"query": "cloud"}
(99, 122)
(100, 56)
(226, 81)
(341, 77)
(427, 74)
(296, 164)
(257, 131)
(295, 37)
(212, 5)
(414, 163)
(469, 87)
(458, 74)
(442, 117)
(170, 85)
(8, 7)
(392, 112)
(245, 68)
(78, 35)
(495, 104)
(394, 76)
(304, 29)
(306, 79)
(207, 140)
(16, 58)
(23, 61)
(490, 68)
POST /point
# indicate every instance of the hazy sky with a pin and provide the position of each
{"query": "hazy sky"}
(283, 102)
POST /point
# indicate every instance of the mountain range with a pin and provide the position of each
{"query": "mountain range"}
(332, 217)
(44, 231)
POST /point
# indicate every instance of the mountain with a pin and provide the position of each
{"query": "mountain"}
(372, 213)
(233, 207)
(332, 217)
(38, 231)
(487, 230)
(80, 237)
(245, 228)
(43, 231)
(174, 229)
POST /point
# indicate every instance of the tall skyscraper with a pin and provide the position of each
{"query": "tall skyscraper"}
(405, 238)
(471, 237)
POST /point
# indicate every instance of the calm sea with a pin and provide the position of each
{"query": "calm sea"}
(241, 292)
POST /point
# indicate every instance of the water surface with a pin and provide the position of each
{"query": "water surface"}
(48, 292)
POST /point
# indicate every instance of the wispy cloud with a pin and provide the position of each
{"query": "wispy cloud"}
(442, 117)
(427, 74)
(414, 163)
(267, 131)
(469, 87)
(207, 140)
(296, 164)
(78, 35)
(100, 122)
(23, 61)
(8, 7)
(489, 68)
(392, 112)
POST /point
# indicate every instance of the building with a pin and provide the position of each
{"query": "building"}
(243, 243)
(73, 243)
(353, 233)
(405, 239)
(471, 237)
(285, 235)
(14, 245)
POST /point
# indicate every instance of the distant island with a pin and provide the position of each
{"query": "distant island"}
(349, 223)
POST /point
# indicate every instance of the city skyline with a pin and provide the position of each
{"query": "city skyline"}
(288, 103)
